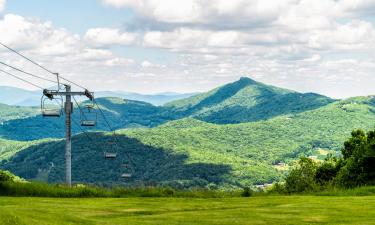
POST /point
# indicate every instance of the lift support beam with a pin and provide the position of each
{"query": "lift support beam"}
(68, 106)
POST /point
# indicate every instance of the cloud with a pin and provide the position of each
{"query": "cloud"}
(109, 36)
(148, 64)
(243, 14)
(23, 33)
(62, 51)
(2, 5)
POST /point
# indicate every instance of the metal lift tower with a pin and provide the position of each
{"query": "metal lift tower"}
(68, 108)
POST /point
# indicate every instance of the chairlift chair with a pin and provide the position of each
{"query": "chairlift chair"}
(89, 116)
(110, 155)
(51, 106)
(128, 173)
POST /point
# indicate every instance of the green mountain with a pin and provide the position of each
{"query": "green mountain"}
(244, 101)
(189, 152)
(16, 112)
(120, 113)
(20, 97)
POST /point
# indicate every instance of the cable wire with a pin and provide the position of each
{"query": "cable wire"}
(30, 74)
(19, 78)
(113, 131)
(40, 66)
(28, 59)
(82, 130)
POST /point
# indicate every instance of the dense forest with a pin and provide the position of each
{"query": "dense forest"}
(173, 145)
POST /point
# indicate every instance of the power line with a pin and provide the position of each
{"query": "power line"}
(19, 78)
(27, 73)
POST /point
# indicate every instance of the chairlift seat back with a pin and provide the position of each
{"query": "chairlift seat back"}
(88, 123)
(126, 175)
(51, 113)
(109, 155)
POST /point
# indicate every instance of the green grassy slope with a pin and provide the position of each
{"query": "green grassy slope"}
(257, 210)
(190, 152)
(244, 101)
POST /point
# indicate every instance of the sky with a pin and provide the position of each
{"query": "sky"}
(153, 46)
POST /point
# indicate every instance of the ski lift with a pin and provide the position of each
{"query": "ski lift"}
(51, 106)
(110, 155)
(89, 116)
(127, 173)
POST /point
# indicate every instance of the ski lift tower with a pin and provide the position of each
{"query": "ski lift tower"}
(68, 108)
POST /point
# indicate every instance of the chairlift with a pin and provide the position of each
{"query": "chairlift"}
(51, 106)
(89, 116)
(128, 173)
(110, 155)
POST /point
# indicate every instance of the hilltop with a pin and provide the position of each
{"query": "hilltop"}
(244, 101)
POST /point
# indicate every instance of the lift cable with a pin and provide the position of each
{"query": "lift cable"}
(19, 78)
(82, 130)
(28, 59)
(40, 66)
(113, 131)
(27, 73)
(79, 107)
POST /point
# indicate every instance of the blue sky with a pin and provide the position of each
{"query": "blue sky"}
(151, 46)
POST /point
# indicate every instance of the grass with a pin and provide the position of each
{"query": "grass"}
(35, 189)
(255, 210)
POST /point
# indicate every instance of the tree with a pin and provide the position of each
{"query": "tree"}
(301, 178)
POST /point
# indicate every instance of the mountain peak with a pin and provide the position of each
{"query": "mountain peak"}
(247, 79)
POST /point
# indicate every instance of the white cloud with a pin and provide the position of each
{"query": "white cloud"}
(148, 64)
(2, 5)
(23, 33)
(58, 49)
(109, 36)
(305, 45)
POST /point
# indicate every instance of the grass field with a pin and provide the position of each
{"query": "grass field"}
(165, 211)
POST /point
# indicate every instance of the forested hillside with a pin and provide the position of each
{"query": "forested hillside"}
(119, 112)
(189, 152)
(244, 101)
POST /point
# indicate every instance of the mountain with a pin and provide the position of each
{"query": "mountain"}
(245, 100)
(120, 113)
(232, 136)
(190, 153)
(16, 112)
(242, 101)
(155, 99)
(21, 97)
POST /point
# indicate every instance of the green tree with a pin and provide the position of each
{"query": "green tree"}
(302, 177)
